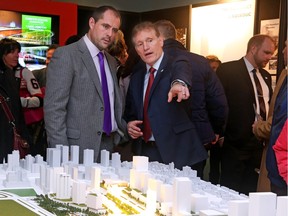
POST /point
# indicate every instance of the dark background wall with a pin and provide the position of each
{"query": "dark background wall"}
(67, 13)
(265, 9)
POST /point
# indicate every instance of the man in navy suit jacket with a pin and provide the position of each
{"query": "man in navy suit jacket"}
(209, 105)
(174, 137)
(241, 150)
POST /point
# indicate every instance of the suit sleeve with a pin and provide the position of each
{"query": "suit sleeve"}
(281, 153)
(59, 81)
(216, 102)
(182, 70)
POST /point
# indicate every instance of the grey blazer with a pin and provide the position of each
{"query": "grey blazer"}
(73, 104)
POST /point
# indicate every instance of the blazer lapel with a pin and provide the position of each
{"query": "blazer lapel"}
(159, 74)
(247, 79)
(90, 67)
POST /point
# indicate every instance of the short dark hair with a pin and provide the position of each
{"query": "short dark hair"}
(213, 58)
(257, 40)
(98, 12)
(144, 25)
(72, 39)
(166, 29)
(7, 45)
(53, 46)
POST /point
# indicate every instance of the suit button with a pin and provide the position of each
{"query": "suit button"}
(99, 133)
(102, 109)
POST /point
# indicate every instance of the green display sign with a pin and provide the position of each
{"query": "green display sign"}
(36, 23)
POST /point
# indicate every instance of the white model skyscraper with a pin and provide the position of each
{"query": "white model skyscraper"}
(104, 160)
(262, 204)
(88, 157)
(63, 188)
(54, 157)
(64, 154)
(79, 192)
(74, 154)
(182, 198)
(95, 177)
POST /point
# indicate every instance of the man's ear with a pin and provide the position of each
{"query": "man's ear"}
(91, 22)
(161, 40)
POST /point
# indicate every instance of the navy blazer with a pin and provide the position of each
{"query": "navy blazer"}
(240, 96)
(171, 124)
(209, 104)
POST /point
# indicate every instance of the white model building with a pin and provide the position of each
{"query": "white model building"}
(181, 199)
(13, 160)
(64, 154)
(238, 207)
(199, 202)
(54, 157)
(166, 193)
(94, 200)
(74, 152)
(262, 204)
(95, 178)
(172, 192)
(104, 159)
(282, 207)
(116, 160)
(88, 157)
(79, 192)
(63, 186)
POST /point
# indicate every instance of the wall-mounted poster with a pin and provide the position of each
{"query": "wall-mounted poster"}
(271, 28)
(222, 29)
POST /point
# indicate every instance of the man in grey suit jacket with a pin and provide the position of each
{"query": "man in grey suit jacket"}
(74, 103)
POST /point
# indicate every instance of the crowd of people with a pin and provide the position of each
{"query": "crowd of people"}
(160, 101)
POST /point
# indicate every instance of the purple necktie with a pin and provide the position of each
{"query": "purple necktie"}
(107, 127)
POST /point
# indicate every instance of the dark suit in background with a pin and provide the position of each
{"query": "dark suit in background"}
(241, 150)
(209, 104)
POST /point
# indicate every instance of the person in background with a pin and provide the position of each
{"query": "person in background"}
(277, 153)
(209, 104)
(72, 39)
(118, 49)
(24, 76)
(40, 137)
(31, 95)
(215, 150)
(262, 129)
(213, 61)
(40, 74)
(159, 121)
(9, 89)
(242, 81)
(82, 103)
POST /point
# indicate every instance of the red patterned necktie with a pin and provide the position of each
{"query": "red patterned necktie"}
(260, 95)
(147, 129)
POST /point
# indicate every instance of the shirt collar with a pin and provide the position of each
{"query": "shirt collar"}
(91, 47)
(157, 63)
(249, 66)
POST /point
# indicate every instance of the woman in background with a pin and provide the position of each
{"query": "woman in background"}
(9, 89)
(30, 93)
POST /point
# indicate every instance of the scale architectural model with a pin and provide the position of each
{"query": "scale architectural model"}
(112, 187)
